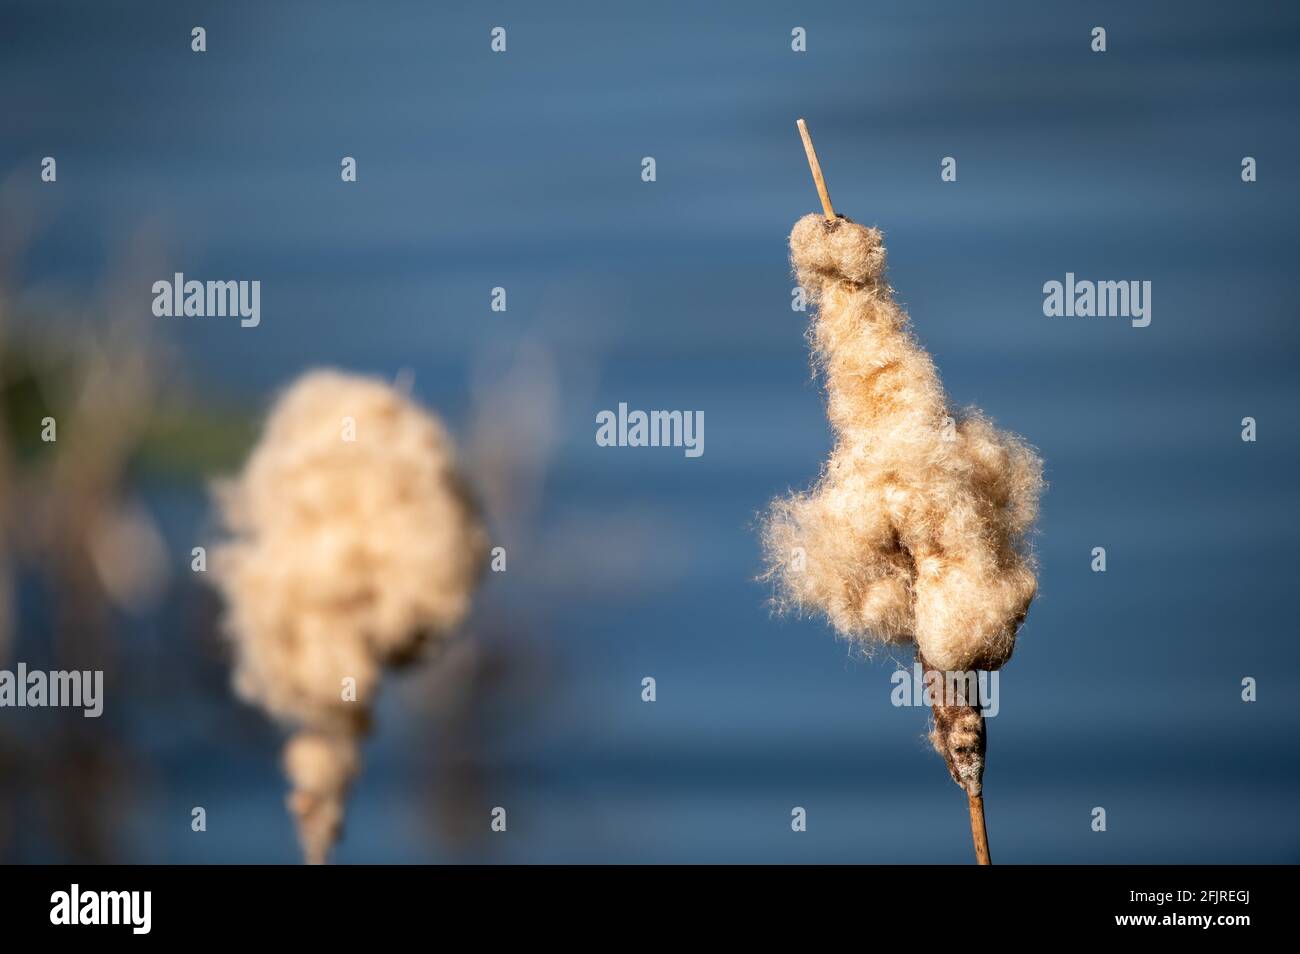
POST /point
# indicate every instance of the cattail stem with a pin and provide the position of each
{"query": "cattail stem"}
(978, 832)
(816, 168)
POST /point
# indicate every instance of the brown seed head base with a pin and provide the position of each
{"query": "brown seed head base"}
(958, 733)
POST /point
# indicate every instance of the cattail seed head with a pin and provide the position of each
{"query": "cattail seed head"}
(918, 530)
(345, 555)
(352, 543)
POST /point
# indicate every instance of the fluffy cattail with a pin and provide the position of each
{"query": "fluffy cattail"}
(353, 544)
(918, 531)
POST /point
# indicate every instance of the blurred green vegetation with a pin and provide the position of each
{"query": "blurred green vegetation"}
(181, 439)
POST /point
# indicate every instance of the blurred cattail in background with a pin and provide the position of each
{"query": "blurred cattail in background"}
(80, 379)
(6, 571)
(354, 545)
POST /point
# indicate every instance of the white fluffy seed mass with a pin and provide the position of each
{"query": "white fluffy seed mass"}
(918, 530)
(352, 543)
